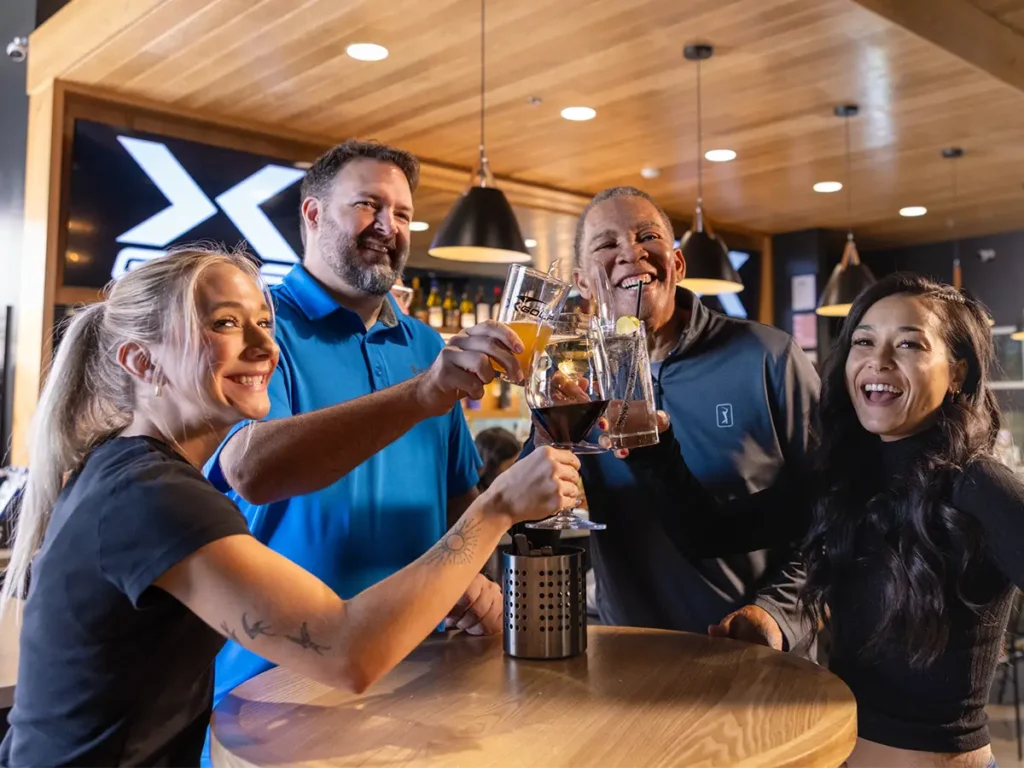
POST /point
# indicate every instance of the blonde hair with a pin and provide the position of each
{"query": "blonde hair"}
(89, 397)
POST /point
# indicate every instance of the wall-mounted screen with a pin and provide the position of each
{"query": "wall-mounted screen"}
(133, 195)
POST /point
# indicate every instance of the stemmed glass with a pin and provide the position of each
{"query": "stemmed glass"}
(567, 394)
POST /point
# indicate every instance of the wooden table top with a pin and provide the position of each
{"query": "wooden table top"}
(636, 697)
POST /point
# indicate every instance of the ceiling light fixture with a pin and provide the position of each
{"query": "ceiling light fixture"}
(828, 187)
(720, 155)
(708, 269)
(579, 114)
(531, 243)
(481, 226)
(650, 173)
(367, 51)
(850, 276)
(913, 211)
(419, 226)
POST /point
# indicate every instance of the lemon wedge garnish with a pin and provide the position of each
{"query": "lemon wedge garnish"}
(627, 324)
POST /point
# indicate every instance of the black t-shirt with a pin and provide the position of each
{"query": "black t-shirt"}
(111, 671)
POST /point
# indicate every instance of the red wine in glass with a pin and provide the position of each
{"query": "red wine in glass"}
(570, 423)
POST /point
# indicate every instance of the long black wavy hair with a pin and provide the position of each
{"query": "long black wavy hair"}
(928, 544)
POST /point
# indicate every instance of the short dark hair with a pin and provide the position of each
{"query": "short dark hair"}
(324, 171)
(608, 194)
(496, 446)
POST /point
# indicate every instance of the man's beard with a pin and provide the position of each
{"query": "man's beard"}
(341, 252)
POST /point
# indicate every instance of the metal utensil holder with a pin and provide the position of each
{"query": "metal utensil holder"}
(545, 604)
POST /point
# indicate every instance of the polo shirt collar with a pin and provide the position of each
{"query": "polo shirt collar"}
(316, 302)
(699, 317)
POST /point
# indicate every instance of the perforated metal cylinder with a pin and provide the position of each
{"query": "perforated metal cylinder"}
(545, 601)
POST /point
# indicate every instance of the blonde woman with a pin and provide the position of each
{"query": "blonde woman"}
(141, 568)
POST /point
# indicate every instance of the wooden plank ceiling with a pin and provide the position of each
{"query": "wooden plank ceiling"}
(780, 68)
(1009, 12)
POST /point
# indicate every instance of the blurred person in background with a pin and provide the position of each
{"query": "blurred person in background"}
(498, 450)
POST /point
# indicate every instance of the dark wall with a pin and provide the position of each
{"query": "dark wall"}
(806, 252)
(998, 283)
(18, 18)
(45, 8)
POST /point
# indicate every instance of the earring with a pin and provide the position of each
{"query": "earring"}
(158, 389)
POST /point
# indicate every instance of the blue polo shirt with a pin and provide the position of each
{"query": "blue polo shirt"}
(391, 508)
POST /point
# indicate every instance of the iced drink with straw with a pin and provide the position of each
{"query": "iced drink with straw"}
(632, 413)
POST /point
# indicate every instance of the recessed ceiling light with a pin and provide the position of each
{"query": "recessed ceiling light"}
(418, 226)
(650, 173)
(720, 155)
(825, 187)
(302, 165)
(913, 210)
(530, 242)
(367, 51)
(579, 114)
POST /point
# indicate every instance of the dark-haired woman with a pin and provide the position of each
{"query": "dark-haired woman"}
(916, 534)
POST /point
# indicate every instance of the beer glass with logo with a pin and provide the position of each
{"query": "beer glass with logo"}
(529, 305)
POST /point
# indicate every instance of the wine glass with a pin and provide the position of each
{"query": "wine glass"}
(567, 394)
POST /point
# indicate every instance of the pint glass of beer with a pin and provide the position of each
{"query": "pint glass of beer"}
(529, 305)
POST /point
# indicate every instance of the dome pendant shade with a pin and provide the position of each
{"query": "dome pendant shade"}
(708, 269)
(481, 227)
(848, 279)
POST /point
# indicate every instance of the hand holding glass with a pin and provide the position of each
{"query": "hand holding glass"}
(567, 393)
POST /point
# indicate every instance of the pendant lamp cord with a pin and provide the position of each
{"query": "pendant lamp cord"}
(483, 71)
(956, 198)
(849, 184)
(700, 156)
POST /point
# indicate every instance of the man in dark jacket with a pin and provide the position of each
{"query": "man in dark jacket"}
(739, 395)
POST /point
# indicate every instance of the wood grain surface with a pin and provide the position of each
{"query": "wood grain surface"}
(637, 697)
(924, 79)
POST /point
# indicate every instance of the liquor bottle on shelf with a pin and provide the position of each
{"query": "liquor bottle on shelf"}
(496, 304)
(505, 396)
(467, 313)
(483, 309)
(451, 311)
(417, 307)
(435, 313)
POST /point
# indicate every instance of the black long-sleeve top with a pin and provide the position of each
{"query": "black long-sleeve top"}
(938, 708)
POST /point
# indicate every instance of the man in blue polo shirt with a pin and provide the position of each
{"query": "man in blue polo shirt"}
(739, 395)
(365, 451)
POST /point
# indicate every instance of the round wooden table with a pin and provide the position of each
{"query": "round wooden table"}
(636, 697)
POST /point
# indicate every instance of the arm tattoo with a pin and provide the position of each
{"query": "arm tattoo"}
(259, 628)
(305, 641)
(228, 632)
(457, 546)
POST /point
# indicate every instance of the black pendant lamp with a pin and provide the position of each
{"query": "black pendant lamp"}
(481, 226)
(850, 276)
(708, 269)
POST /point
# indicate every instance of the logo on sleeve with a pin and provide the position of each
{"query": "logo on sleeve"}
(723, 413)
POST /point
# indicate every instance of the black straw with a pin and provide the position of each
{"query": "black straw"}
(639, 298)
